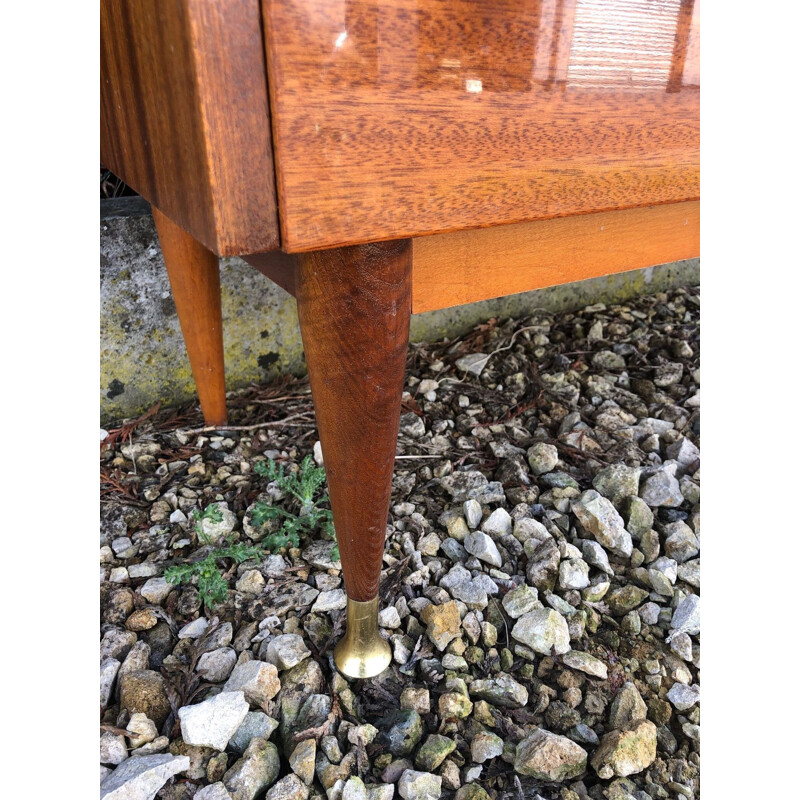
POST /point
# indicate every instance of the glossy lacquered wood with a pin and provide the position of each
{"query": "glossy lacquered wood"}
(423, 116)
(194, 278)
(452, 269)
(185, 118)
(354, 306)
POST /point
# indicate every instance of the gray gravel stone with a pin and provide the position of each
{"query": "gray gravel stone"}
(292, 788)
(617, 481)
(286, 651)
(217, 665)
(485, 746)
(599, 517)
(689, 571)
(541, 630)
(334, 600)
(661, 490)
(584, 662)
(213, 722)
(155, 590)
(415, 785)
(498, 523)
(483, 547)
(596, 556)
(547, 756)
(255, 771)
(112, 748)
(686, 617)
(542, 458)
(627, 707)
(521, 600)
(683, 697)
(255, 724)
(257, 679)
(473, 513)
(680, 544)
(214, 791)
(140, 778)
(573, 573)
(109, 668)
(501, 691)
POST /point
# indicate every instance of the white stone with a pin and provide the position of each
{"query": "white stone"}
(143, 730)
(473, 512)
(389, 617)
(251, 582)
(257, 679)
(584, 662)
(213, 722)
(415, 785)
(108, 673)
(541, 630)
(686, 617)
(287, 650)
(481, 546)
(216, 665)
(498, 523)
(333, 600)
(649, 613)
(140, 778)
(683, 697)
(194, 629)
(573, 573)
(118, 575)
(112, 748)
(214, 791)
(155, 590)
(599, 517)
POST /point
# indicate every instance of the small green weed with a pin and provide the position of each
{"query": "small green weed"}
(302, 487)
(211, 584)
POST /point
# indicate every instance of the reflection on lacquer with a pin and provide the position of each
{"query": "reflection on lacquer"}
(479, 46)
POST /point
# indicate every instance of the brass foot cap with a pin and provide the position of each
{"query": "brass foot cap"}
(363, 652)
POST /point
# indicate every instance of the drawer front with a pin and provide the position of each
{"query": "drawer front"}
(414, 117)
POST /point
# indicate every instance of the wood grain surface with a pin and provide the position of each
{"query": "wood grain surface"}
(279, 267)
(354, 306)
(194, 277)
(184, 116)
(451, 269)
(424, 116)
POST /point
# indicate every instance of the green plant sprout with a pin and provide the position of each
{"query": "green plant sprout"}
(211, 584)
(303, 487)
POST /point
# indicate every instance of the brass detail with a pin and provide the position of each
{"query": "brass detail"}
(362, 652)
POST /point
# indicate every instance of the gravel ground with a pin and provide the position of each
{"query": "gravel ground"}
(540, 592)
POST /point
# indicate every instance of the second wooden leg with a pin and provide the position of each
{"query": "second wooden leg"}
(354, 305)
(194, 277)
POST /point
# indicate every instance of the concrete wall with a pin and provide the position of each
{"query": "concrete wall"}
(142, 356)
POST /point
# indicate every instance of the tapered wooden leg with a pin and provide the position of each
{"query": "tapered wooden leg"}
(354, 305)
(194, 277)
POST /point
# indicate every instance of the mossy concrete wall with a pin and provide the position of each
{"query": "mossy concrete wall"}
(142, 355)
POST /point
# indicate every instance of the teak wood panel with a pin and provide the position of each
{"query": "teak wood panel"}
(185, 118)
(451, 269)
(424, 116)
(455, 268)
